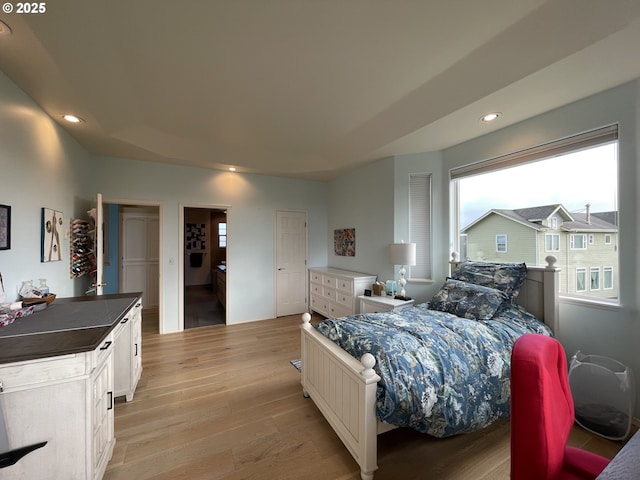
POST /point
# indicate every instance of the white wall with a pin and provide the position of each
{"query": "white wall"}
(251, 202)
(363, 200)
(40, 166)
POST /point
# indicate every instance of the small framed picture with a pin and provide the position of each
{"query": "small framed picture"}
(5, 227)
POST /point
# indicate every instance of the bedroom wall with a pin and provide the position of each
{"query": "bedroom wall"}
(251, 200)
(40, 166)
(609, 331)
(363, 200)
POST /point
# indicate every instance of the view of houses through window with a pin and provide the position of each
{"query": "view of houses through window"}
(564, 206)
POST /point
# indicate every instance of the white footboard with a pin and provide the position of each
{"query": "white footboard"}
(344, 390)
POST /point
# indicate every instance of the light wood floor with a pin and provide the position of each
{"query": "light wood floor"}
(224, 402)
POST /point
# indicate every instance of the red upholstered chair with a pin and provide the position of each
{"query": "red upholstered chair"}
(542, 415)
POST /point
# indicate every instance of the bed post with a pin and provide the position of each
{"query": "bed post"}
(551, 286)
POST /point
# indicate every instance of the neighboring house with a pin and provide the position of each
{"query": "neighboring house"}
(585, 244)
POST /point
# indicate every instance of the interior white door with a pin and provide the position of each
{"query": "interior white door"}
(140, 256)
(291, 262)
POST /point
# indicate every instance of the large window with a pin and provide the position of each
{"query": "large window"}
(558, 198)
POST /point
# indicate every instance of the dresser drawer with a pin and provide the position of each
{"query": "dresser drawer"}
(345, 299)
(336, 311)
(316, 277)
(316, 289)
(329, 294)
(345, 284)
(329, 281)
(319, 304)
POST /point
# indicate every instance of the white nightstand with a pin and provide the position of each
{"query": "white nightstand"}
(377, 304)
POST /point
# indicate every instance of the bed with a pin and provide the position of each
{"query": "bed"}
(349, 391)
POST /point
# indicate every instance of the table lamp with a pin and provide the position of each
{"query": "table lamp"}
(402, 254)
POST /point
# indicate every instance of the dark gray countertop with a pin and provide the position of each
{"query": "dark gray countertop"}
(68, 325)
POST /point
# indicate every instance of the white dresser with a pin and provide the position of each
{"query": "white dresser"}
(334, 292)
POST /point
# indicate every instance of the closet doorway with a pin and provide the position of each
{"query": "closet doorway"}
(205, 266)
(131, 253)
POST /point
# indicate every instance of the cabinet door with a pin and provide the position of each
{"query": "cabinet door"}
(53, 413)
(136, 353)
(103, 436)
(122, 356)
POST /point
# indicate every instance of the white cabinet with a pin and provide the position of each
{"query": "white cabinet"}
(334, 292)
(67, 401)
(376, 304)
(128, 352)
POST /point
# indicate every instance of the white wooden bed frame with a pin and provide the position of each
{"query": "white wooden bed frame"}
(344, 389)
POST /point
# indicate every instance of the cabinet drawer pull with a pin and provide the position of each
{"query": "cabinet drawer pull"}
(110, 394)
(138, 304)
(136, 354)
(125, 320)
(106, 345)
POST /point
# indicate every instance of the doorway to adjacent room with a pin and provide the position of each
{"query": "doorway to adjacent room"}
(205, 264)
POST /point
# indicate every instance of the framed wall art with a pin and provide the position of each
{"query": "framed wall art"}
(52, 230)
(5, 227)
(344, 242)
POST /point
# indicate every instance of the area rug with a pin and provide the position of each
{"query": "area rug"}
(297, 363)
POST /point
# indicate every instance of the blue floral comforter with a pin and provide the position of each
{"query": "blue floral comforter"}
(440, 374)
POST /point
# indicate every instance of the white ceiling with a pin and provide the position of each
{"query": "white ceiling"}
(310, 88)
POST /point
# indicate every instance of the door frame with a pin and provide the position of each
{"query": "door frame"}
(148, 203)
(182, 207)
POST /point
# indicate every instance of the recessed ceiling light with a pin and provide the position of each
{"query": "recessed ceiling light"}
(490, 117)
(4, 29)
(232, 169)
(72, 118)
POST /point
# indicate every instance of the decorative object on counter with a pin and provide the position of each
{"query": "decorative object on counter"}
(10, 311)
(344, 242)
(51, 226)
(5, 227)
(379, 288)
(81, 247)
(402, 254)
(391, 287)
(48, 299)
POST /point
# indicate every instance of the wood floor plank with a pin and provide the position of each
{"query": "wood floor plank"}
(223, 402)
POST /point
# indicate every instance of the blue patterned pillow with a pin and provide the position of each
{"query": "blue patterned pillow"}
(467, 300)
(506, 277)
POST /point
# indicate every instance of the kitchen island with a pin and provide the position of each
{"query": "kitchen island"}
(60, 370)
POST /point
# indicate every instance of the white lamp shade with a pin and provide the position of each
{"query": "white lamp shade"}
(403, 253)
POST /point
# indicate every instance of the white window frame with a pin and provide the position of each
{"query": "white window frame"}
(557, 242)
(592, 239)
(222, 235)
(594, 285)
(420, 225)
(498, 243)
(572, 241)
(607, 271)
(608, 239)
(553, 223)
(581, 271)
(543, 151)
